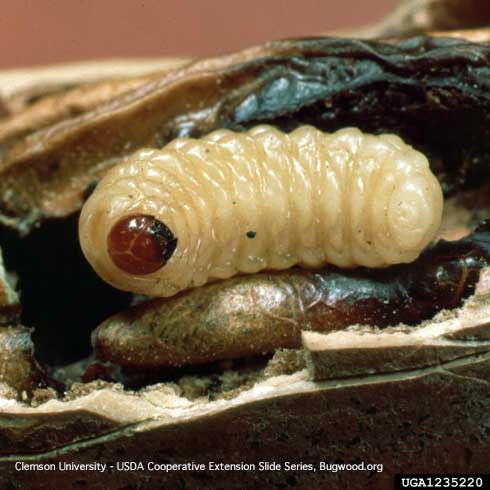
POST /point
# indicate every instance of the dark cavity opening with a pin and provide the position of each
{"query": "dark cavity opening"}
(62, 297)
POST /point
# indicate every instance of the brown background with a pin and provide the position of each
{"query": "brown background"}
(50, 31)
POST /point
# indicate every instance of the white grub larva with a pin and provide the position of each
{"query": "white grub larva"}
(166, 220)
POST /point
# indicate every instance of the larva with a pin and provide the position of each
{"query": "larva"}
(196, 210)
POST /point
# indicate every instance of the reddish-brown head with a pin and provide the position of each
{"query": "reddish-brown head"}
(140, 244)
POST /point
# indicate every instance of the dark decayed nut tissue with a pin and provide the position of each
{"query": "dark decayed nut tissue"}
(215, 341)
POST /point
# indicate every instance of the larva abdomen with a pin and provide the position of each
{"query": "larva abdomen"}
(239, 203)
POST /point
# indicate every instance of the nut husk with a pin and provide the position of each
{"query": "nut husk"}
(21, 88)
(414, 17)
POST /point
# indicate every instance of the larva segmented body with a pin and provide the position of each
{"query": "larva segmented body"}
(165, 220)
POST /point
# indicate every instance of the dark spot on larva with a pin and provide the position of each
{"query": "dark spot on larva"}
(54, 166)
(140, 244)
(251, 234)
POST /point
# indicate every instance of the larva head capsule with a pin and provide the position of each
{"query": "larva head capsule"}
(140, 244)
